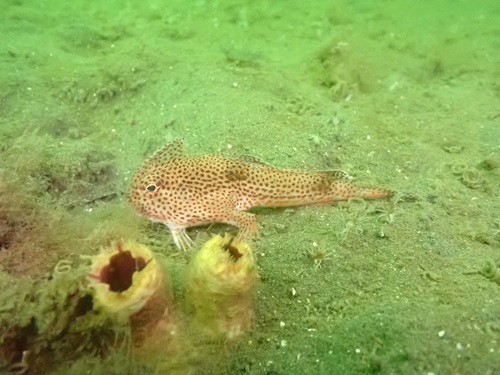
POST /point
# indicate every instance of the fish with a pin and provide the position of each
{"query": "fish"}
(182, 190)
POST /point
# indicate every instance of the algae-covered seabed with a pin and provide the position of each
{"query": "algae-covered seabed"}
(401, 94)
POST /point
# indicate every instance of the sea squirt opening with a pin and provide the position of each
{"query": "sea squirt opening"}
(124, 276)
(118, 273)
(231, 249)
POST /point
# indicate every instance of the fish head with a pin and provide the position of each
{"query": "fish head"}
(148, 192)
(151, 186)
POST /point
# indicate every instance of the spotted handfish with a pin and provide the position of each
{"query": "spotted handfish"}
(181, 191)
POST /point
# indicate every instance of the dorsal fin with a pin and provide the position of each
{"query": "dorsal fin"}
(337, 174)
(168, 152)
(249, 159)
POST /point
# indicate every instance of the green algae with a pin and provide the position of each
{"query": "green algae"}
(399, 94)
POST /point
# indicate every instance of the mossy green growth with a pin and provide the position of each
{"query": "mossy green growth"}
(15, 296)
(73, 171)
(46, 309)
(53, 318)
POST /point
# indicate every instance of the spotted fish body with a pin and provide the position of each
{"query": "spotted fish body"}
(183, 191)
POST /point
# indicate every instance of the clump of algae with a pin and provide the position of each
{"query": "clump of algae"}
(50, 216)
(43, 321)
(49, 208)
(53, 219)
(75, 172)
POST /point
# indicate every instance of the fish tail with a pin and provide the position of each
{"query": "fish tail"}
(372, 193)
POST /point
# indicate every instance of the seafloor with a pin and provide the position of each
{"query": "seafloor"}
(401, 94)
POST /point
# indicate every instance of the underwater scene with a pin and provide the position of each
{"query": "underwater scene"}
(250, 187)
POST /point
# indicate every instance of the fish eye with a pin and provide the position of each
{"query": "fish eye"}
(151, 187)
